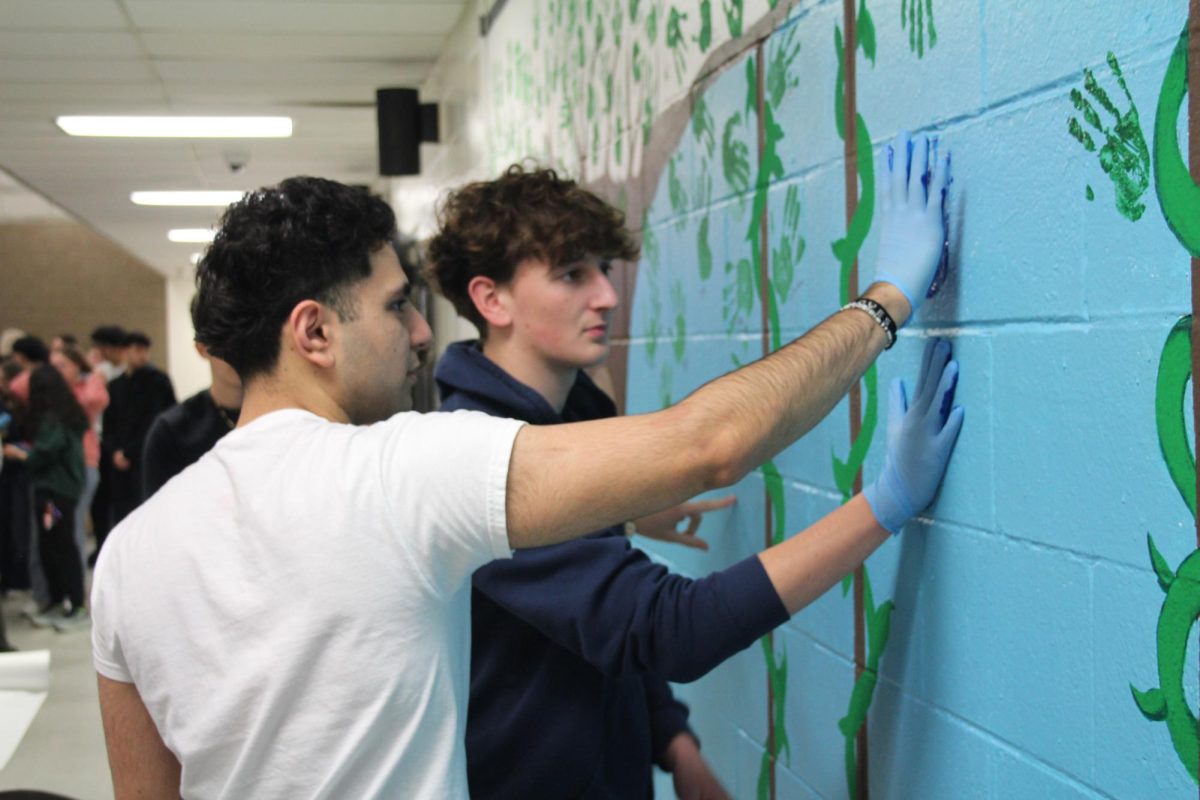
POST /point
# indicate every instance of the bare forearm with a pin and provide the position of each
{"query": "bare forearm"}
(765, 406)
(807, 565)
(568, 480)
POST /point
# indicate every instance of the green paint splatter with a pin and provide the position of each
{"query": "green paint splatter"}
(1091, 195)
(1124, 156)
(704, 38)
(676, 42)
(735, 156)
(1174, 372)
(917, 16)
(733, 16)
(1178, 194)
(704, 250)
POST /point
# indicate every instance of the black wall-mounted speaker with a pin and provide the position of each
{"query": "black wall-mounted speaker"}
(403, 124)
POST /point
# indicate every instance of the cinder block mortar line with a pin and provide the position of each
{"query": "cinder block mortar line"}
(1155, 52)
(1000, 743)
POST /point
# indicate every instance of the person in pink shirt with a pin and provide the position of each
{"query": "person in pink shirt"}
(92, 394)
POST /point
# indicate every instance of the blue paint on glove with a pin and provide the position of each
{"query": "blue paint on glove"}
(920, 439)
(912, 240)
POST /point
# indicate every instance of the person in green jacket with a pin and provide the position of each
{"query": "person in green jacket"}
(56, 471)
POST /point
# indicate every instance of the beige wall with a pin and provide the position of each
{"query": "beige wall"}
(63, 277)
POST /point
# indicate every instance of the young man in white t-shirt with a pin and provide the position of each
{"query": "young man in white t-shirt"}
(289, 616)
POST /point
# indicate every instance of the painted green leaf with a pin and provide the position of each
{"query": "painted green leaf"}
(866, 31)
(1152, 704)
(764, 777)
(704, 250)
(1166, 576)
(1174, 372)
(704, 39)
(847, 582)
(880, 628)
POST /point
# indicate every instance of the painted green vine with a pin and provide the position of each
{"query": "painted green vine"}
(877, 620)
(1179, 198)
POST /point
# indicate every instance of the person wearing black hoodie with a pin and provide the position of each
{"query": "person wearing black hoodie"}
(573, 643)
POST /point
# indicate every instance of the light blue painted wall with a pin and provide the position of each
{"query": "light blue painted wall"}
(1025, 604)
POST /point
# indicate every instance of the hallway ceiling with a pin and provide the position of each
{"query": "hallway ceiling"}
(316, 61)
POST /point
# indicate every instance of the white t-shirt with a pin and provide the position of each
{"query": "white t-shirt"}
(294, 608)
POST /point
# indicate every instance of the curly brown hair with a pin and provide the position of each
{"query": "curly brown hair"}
(489, 227)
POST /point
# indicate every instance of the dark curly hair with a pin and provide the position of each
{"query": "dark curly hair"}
(307, 238)
(51, 398)
(489, 227)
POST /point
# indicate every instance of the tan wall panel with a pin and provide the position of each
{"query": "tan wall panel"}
(63, 277)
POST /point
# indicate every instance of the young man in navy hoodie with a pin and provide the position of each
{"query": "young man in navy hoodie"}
(573, 644)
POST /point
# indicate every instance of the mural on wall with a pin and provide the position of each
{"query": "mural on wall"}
(674, 111)
(1179, 197)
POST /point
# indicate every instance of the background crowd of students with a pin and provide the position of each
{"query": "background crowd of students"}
(73, 423)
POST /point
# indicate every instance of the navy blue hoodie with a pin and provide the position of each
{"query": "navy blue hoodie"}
(572, 644)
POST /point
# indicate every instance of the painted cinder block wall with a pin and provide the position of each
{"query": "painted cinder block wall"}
(1000, 637)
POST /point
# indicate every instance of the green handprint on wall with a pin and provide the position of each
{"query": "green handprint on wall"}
(1124, 156)
(917, 16)
(779, 67)
(675, 191)
(733, 16)
(735, 156)
(791, 248)
(741, 284)
(676, 40)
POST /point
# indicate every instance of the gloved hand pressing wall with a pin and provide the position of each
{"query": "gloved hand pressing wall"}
(920, 439)
(913, 233)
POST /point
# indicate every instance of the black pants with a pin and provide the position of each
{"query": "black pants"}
(55, 516)
(101, 500)
(15, 522)
(124, 492)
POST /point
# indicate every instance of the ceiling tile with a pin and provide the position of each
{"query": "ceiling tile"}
(295, 17)
(293, 46)
(34, 70)
(28, 15)
(68, 45)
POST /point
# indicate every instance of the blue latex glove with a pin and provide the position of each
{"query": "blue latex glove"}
(913, 234)
(920, 439)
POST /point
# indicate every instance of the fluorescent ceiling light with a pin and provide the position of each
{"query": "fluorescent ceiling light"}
(179, 127)
(197, 198)
(191, 234)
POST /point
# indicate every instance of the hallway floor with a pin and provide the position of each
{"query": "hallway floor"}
(63, 751)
